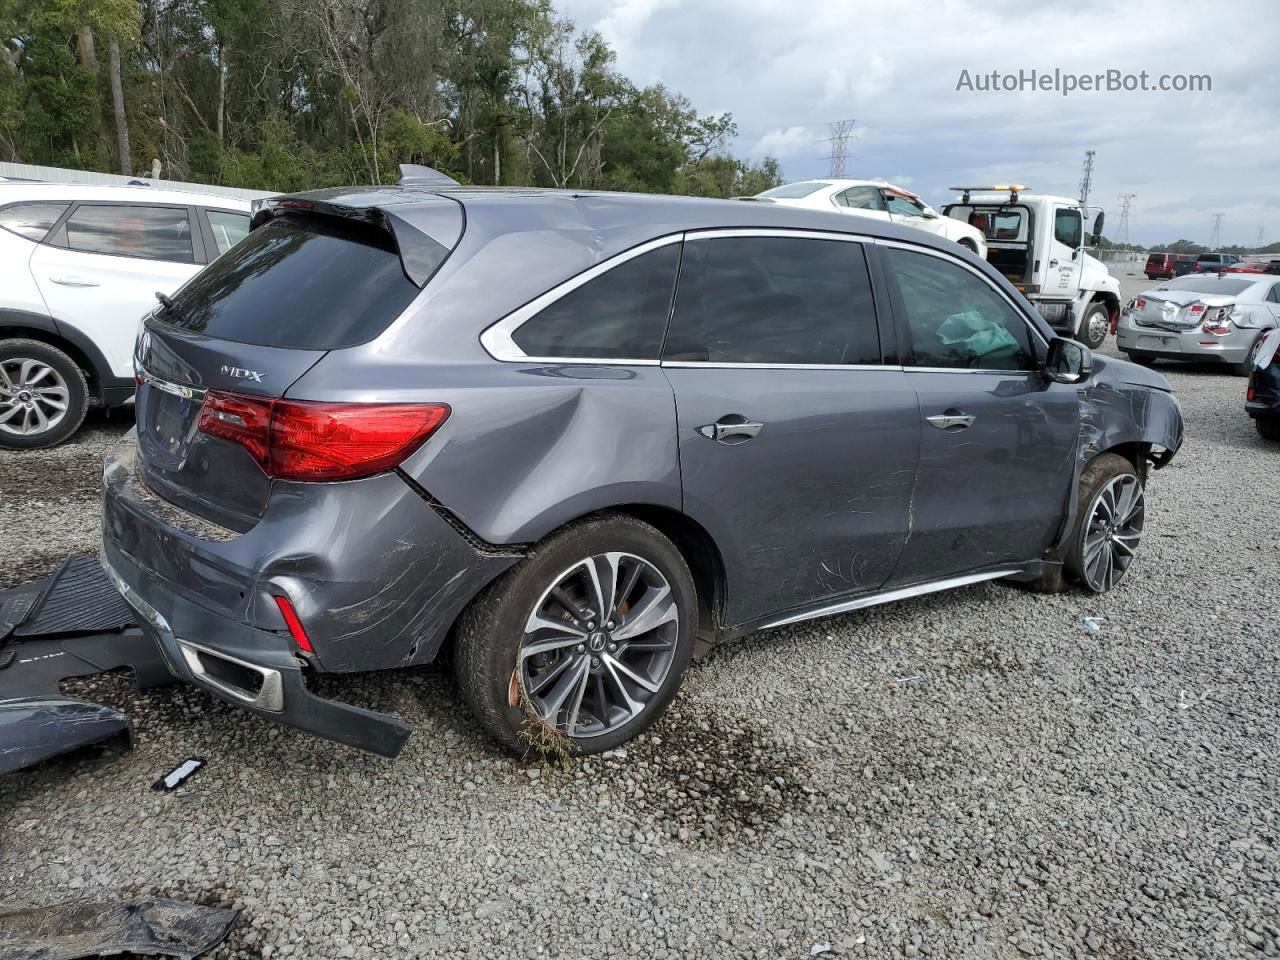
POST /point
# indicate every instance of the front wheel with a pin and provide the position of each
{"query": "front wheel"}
(1112, 513)
(1142, 359)
(43, 395)
(582, 645)
(1094, 326)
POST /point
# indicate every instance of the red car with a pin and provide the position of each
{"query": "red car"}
(1254, 266)
(1163, 266)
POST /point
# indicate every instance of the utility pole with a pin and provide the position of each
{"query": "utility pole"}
(841, 131)
(1215, 238)
(1126, 205)
(1086, 180)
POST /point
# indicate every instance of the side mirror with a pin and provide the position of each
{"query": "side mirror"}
(1097, 228)
(930, 213)
(1068, 361)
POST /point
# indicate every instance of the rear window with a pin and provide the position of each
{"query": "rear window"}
(31, 220)
(1224, 285)
(312, 283)
(794, 191)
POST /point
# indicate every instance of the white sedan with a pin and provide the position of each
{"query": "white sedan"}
(879, 200)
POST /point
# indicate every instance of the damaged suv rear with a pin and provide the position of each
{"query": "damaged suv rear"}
(572, 435)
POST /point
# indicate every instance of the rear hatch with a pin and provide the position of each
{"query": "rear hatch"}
(313, 275)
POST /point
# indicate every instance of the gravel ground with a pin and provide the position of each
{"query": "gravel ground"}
(966, 775)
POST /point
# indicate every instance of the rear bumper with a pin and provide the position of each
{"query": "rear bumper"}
(253, 669)
(376, 574)
(1183, 345)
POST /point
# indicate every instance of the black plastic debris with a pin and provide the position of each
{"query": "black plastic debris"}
(72, 623)
(179, 774)
(154, 928)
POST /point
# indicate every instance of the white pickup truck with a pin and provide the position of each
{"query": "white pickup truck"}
(1038, 242)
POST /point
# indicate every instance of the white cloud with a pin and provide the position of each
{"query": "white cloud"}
(785, 72)
(786, 143)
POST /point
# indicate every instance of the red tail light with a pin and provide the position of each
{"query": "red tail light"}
(295, 625)
(305, 440)
(1140, 304)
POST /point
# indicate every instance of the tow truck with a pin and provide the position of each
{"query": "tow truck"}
(1038, 242)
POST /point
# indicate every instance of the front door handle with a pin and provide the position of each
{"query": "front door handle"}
(733, 428)
(952, 420)
(74, 281)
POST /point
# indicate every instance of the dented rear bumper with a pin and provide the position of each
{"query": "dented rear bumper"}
(376, 574)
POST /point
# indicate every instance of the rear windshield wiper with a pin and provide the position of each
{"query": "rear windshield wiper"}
(166, 301)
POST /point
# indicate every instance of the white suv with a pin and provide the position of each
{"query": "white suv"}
(879, 201)
(79, 266)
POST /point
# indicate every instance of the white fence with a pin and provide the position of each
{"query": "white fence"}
(27, 171)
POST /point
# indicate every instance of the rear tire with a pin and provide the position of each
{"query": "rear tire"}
(1110, 516)
(1093, 328)
(1242, 368)
(43, 395)
(968, 245)
(1268, 428)
(537, 677)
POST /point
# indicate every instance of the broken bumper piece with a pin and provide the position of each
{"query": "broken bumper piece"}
(248, 667)
(153, 928)
(69, 624)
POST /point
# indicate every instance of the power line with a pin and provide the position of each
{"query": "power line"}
(1086, 180)
(841, 133)
(1215, 238)
(1126, 206)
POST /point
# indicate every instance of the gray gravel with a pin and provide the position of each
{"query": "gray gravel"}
(967, 775)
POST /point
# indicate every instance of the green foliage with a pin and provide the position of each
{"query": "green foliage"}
(294, 94)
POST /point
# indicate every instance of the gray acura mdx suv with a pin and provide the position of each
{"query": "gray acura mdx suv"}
(573, 437)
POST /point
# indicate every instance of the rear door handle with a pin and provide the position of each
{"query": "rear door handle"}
(733, 428)
(74, 281)
(952, 420)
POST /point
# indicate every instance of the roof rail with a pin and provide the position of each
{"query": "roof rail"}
(415, 174)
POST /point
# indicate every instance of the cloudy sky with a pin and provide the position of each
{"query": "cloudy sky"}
(785, 69)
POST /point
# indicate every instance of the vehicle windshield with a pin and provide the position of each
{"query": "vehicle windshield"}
(794, 191)
(1222, 285)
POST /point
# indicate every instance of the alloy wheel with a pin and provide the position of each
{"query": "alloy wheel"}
(1099, 323)
(33, 396)
(1112, 533)
(599, 644)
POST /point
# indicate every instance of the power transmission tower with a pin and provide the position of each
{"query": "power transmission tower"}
(1262, 238)
(1086, 180)
(1126, 205)
(841, 132)
(1215, 238)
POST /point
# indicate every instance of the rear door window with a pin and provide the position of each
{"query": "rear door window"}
(310, 283)
(773, 300)
(619, 315)
(227, 228)
(31, 220)
(956, 320)
(128, 230)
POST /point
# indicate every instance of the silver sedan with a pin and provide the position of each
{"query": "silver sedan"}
(1200, 317)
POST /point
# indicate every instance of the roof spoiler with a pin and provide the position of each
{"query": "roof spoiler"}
(416, 175)
(420, 253)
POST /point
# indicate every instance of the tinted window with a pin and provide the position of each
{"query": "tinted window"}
(955, 318)
(31, 220)
(863, 198)
(619, 315)
(228, 228)
(1274, 295)
(794, 191)
(157, 233)
(1066, 227)
(314, 284)
(904, 207)
(773, 300)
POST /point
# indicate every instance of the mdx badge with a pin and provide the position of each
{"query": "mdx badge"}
(240, 373)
